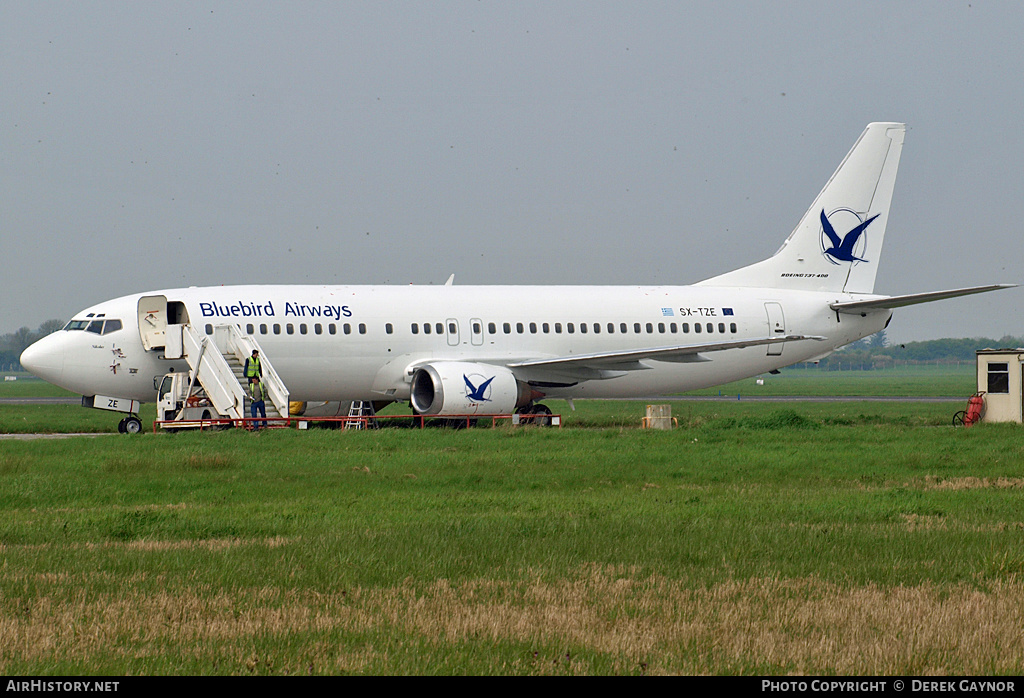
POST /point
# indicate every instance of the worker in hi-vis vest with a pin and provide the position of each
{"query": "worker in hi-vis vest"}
(252, 366)
(259, 395)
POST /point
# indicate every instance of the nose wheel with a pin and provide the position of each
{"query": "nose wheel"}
(129, 425)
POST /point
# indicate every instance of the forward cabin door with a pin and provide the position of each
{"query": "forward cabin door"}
(776, 326)
(153, 322)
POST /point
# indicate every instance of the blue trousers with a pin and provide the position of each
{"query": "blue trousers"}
(262, 407)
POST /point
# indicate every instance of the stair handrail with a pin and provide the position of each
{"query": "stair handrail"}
(221, 386)
(231, 340)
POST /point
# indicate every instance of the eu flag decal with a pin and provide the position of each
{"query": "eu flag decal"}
(727, 311)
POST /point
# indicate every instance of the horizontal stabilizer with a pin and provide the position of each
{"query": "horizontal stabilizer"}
(912, 299)
(680, 353)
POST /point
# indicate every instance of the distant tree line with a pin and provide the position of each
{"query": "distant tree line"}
(11, 345)
(875, 353)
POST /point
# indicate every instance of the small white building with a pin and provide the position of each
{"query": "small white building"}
(1001, 378)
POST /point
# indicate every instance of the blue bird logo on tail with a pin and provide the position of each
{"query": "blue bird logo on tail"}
(476, 393)
(843, 250)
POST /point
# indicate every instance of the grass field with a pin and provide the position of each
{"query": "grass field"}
(758, 538)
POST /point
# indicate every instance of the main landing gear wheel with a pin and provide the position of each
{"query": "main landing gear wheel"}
(535, 414)
(130, 425)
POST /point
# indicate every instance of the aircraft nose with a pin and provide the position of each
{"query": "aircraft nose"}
(45, 359)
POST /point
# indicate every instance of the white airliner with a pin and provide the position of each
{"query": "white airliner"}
(496, 349)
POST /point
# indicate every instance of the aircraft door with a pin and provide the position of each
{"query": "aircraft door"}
(453, 332)
(477, 334)
(776, 326)
(153, 322)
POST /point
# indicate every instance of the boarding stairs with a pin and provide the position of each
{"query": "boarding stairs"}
(217, 364)
(360, 415)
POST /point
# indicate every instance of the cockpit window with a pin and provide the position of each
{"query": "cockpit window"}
(76, 325)
(95, 326)
(111, 326)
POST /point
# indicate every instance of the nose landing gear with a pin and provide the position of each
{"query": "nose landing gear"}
(129, 425)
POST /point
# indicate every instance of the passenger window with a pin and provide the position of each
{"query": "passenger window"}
(111, 326)
(318, 328)
(249, 329)
(362, 328)
(546, 328)
(558, 328)
(732, 327)
(452, 329)
(346, 328)
(533, 328)
(721, 327)
(290, 328)
(696, 327)
(492, 328)
(661, 327)
(623, 328)
(302, 328)
(570, 328)
(209, 329)
(388, 328)
(426, 328)
(611, 328)
(650, 328)
(439, 326)
(332, 328)
(636, 327)
(711, 328)
(477, 329)
(597, 328)
(673, 328)
(507, 328)
(519, 327)
(686, 328)
(263, 329)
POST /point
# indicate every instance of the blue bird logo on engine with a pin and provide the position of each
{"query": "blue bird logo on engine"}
(852, 244)
(476, 393)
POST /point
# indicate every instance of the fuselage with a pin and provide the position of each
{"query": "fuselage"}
(360, 342)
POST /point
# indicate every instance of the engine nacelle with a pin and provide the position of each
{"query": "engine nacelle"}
(460, 387)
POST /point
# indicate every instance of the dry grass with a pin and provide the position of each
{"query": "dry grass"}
(794, 625)
(973, 483)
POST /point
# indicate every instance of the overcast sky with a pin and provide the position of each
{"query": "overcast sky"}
(165, 144)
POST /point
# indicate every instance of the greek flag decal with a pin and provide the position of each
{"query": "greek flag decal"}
(667, 312)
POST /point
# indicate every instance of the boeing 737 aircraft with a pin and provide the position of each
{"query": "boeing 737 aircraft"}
(456, 350)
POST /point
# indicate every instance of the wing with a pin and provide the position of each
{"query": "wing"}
(631, 360)
(830, 231)
(851, 237)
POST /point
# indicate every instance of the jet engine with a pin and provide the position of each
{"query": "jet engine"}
(459, 387)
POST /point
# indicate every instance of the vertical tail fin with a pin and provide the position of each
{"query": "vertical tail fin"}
(838, 242)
